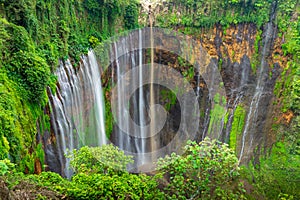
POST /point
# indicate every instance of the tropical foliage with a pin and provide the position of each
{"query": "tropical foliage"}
(208, 170)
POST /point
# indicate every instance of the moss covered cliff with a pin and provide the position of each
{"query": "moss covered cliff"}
(34, 35)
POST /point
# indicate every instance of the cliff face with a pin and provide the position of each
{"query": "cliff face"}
(258, 62)
(251, 59)
(250, 47)
(249, 72)
(244, 56)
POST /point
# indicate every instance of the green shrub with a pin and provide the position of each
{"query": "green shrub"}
(105, 159)
(6, 167)
(123, 186)
(208, 170)
(98, 176)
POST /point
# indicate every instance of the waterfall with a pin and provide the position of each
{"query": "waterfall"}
(137, 140)
(77, 115)
(152, 102)
(138, 105)
(128, 138)
(248, 134)
(98, 98)
(141, 98)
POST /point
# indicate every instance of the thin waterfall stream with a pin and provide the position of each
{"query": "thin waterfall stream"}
(259, 90)
(152, 102)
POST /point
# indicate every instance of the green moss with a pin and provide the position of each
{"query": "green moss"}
(44, 123)
(257, 41)
(226, 118)
(52, 83)
(216, 117)
(237, 125)
(255, 56)
(220, 63)
(224, 99)
(168, 97)
(218, 114)
(39, 153)
(16, 120)
(109, 120)
(206, 14)
(232, 55)
(217, 98)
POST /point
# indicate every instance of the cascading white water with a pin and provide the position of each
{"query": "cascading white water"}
(98, 97)
(259, 90)
(122, 112)
(152, 102)
(137, 104)
(128, 138)
(141, 98)
(77, 108)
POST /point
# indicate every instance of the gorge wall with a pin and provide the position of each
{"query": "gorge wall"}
(248, 41)
(253, 48)
(249, 75)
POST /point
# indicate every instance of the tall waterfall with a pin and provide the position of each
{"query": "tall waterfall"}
(129, 138)
(77, 115)
(144, 127)
(249, 133)
(141, 97)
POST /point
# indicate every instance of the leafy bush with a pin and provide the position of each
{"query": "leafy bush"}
(124, 186)
(208, 170)
(104, 159)
(101, 174)
(6, 167)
